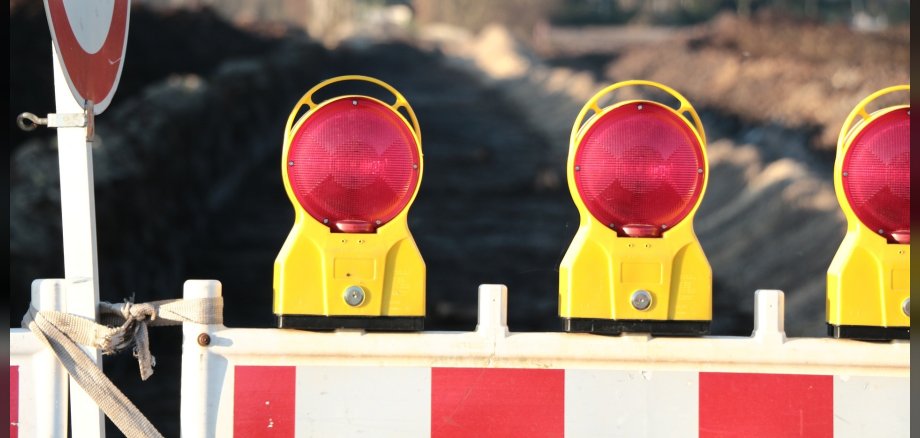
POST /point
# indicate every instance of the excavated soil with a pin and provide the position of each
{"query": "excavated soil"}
(772, 70)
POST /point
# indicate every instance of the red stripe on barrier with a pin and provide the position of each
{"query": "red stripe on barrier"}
(495, 402)
(263, 401)
(766, 405)
(14, 402)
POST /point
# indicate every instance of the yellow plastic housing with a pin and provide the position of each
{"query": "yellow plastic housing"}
(601, 271)
(869, 279)
(316, 266)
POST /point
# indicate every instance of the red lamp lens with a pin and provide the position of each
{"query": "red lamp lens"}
(876, 175)
(353, 164)
(639, 169)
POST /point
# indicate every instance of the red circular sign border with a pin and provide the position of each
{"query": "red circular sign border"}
(91, 76)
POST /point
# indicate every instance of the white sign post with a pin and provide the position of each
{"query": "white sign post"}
(89, 46)
(78, 211)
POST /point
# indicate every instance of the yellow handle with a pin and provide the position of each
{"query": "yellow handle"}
(860, 110)
(591, 105)
(307, 99)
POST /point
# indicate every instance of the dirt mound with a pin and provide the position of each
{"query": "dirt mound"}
(161, 43)
(801, 76)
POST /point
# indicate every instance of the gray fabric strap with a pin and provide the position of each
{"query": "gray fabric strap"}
(124, 325)
(133, 319)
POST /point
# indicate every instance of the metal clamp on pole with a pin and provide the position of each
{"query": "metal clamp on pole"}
(28, 121)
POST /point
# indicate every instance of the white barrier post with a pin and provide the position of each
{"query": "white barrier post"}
(39, 395)
(78, 211)
(769, 316)
(51, 378)
(493, 310)
(198, 383)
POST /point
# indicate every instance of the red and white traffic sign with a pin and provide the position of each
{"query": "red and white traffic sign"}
(90, 39)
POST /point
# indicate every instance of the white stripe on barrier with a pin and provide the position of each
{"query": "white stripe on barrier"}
(363, 401)
(601, 403)
(871, 406)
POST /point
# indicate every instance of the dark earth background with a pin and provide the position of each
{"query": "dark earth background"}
(186, 157)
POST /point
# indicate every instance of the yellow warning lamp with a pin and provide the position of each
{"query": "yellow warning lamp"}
(351, 167)
(637, 171)
(868, 282)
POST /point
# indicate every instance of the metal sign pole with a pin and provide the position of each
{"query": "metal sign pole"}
(78, 211)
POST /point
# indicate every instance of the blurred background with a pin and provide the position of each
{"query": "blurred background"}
(186, 157)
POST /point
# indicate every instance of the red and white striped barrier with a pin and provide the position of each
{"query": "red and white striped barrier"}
(268, 382)
(38, 383)
(503, 402)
